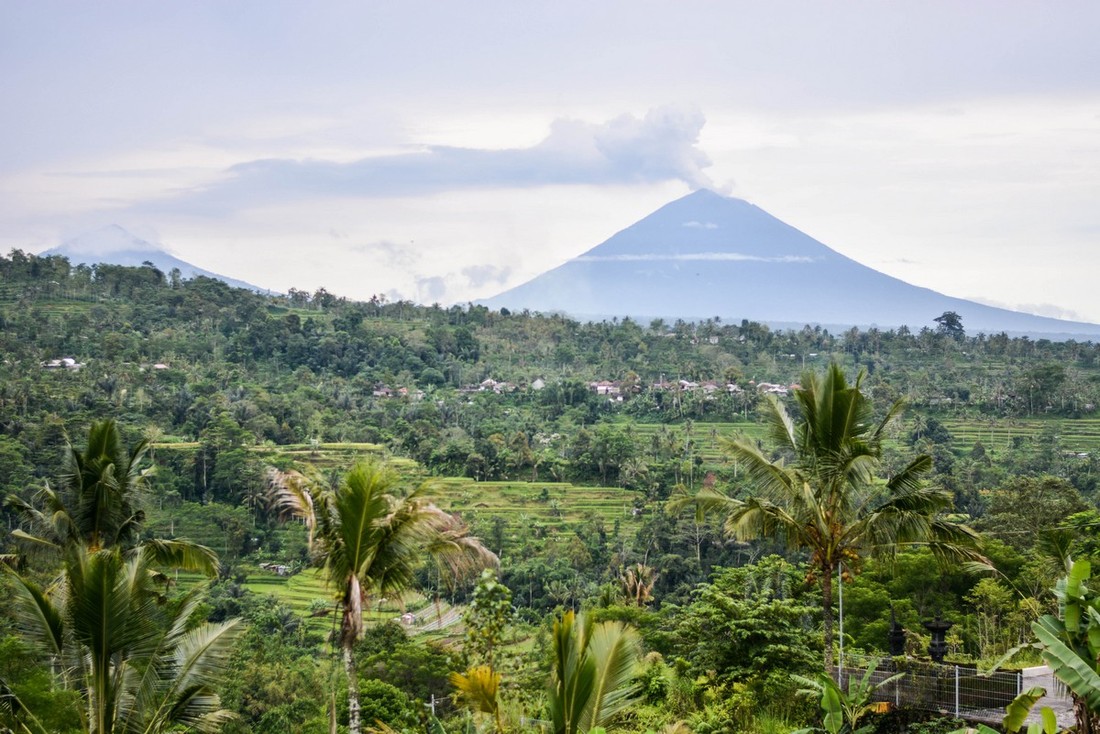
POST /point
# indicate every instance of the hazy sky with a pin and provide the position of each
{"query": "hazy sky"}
(442, 151)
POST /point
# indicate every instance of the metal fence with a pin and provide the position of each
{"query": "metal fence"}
(950, 690)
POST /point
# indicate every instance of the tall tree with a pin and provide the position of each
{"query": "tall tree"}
(370, 539)
(823, 495)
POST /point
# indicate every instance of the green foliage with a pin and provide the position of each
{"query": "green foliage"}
(290, 381)
(827, 499)
(275, 684)
(487, 617)
(844, 707)
(419, 668)
(370, 540)
(131, 659)
(1023, 509)
(32, 694)
(751, 625)
(386, 704)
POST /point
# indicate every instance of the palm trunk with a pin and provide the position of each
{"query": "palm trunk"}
(353, 688)
(827, 614)
(350, 629)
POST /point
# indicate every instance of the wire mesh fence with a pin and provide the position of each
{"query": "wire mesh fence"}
(950, 690)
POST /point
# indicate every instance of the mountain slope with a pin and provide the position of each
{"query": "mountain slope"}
(116, 246)
(706, 255)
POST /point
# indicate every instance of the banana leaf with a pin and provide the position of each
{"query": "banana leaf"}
(1017, 711)
(1068, 667)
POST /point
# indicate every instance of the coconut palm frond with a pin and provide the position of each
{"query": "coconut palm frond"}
(478, 688)
(289, 495)
(779, 427)
(616, 650)
(181, 554)
(454, 549)
(185, 690)
(36, 615)
(574, 674)
(771, 478)
(757, 517)
(911, 477)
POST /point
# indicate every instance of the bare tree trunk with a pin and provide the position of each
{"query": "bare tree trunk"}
(353, 689)
(827, 614)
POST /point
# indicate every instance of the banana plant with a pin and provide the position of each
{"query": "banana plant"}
(844, 709)
(1070, 643)
(1016, 714)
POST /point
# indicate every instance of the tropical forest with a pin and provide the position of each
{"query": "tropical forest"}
(233, 511)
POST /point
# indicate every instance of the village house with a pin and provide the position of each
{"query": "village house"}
(67, 363)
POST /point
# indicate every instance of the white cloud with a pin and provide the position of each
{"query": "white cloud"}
(662, 146)
(696, 256)
(1039, 309)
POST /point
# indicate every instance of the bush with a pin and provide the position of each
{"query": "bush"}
(382, 702)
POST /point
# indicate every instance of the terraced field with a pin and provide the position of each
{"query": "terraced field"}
(552, 505)
(549, 507)
(1073, 435)
(303, 591)
(704, 436)
(1080, 435)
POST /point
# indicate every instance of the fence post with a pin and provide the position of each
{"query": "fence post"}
(956, 691)
(1019, 682)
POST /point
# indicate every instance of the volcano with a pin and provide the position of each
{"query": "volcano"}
(707, 255)
(114, 245)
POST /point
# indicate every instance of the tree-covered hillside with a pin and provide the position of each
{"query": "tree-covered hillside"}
(575, 452)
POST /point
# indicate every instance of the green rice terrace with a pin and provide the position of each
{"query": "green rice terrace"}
(308, 596)
(1076, 435)
(542, 508)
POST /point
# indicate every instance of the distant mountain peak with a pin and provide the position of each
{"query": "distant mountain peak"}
(106, 240)
(115, 245)
(705, 255)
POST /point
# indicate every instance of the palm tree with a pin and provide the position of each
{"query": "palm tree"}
(104, 624)
(823, 494)
(98, 505)
(593, 671)
(101, 488)
(137, 663)
(637, 584)
(370, 541)
(479, 690)
(106, 482)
